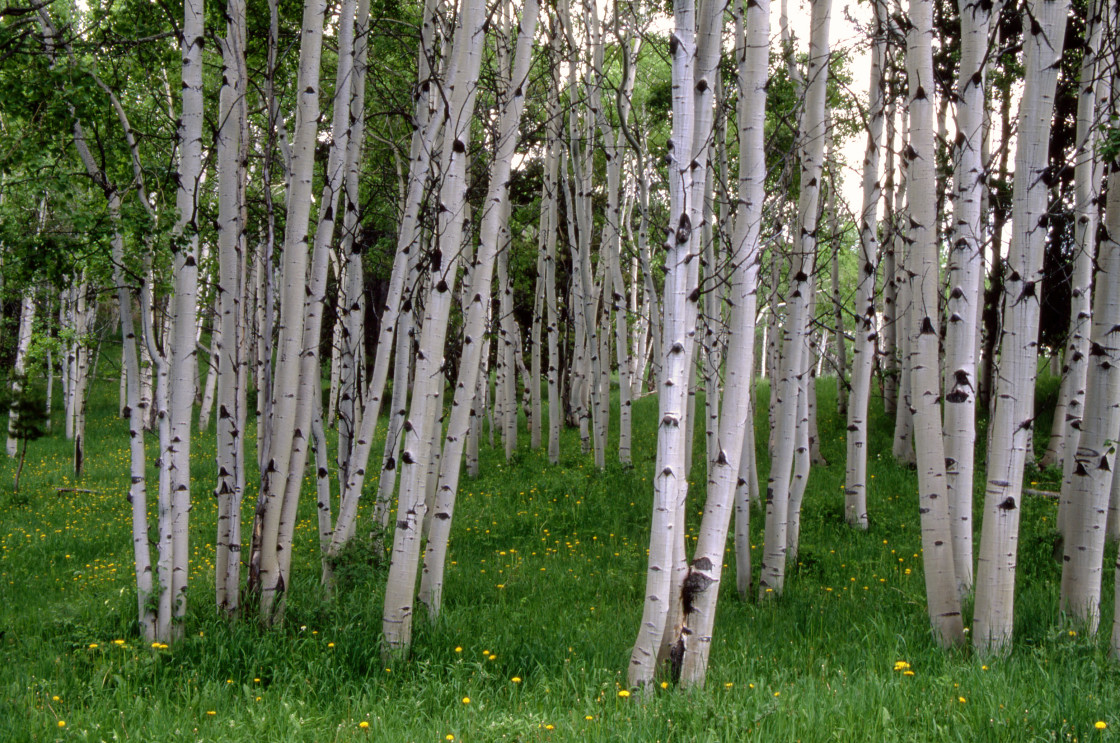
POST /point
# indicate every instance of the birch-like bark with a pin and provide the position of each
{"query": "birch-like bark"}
(888, 347)
(801, 288)
(966, 265)
(1088, 174)
(1044, 24)
(866, 335)
(1090, 489)
(400, 590)
(694, 46)
(1092, 92)
(408, 243)
(19, 367)
(943, 601)
(266, 577)
(310, 376)
(902, 448)
(227, 342)
(470, 363)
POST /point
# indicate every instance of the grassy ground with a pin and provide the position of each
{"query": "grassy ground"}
(542, 604)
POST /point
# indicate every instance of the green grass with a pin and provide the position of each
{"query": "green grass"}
(546, 586)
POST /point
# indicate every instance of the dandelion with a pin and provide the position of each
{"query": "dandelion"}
(516, 679)
(93, 646)
(363, 724)
(777, 693)
(458, 650)
(330, 644)
(901, 665)
(493, 657)
(62, 723)
(1100, 724)
(664, 684)
(449, 736)
(211, 712)
(550, 726)
(962, 700)
(466, 700)
(623, 694)
(907, 673)
(592, 717)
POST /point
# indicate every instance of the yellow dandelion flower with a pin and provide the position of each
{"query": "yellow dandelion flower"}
(623, 694)
(962, 700)
(363, 724)
(93, 646)
(330, 644)
(907, 673)
(1100, 724)
(550, 726)
(493, 657)
(589, 717)
(466, 700)
(516, 679)
(664, 684)
(62, 723)
(728, 685)
(211, 712)
(458, 650)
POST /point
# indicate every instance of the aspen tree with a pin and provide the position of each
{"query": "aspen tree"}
(266, 576)
(1091, 481)
(426, 129)
(866, 335)
(801, 288)
(227, 346)
(694, 47)
(353, 306)
(1088, 173)
(497, 200)
(966, 265)
(1044, 30)
(1092, 90)
(943, 601)
(444, 261)
(23, 343)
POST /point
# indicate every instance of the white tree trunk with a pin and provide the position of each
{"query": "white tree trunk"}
(19, 369)
(943, 601)
(801, 288)
(400, 589)
(966, 266)
(1090, 489)
(694, 46)
(866, 335)
(265, 567)
(1014, 394)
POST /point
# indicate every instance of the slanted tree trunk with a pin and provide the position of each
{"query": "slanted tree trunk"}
(435, 556)
(1044, 23)
(863, 349)
(1087, 177)
(266, 578)
(694, 49)
(1092, 476)
(1092, 92)
(801, 287)
(400, 589)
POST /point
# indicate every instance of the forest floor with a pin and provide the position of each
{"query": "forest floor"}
(543, 599)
